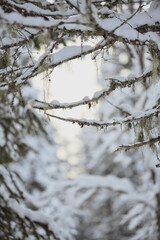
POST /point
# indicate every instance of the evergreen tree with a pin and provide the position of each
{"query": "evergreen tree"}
(119, 198)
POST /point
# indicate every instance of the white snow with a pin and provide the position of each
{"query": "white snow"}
(68, 52)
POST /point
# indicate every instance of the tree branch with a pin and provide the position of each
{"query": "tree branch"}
(136, 145)
(100, 94)
(102, 124)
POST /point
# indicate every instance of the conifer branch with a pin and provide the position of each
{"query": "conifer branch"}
(41, 105)
(101, 124)
(136, 145)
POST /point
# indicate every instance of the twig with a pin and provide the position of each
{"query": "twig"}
(136, 145)
(127, 19)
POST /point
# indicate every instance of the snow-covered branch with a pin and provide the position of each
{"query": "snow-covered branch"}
(101, 124)
(115, 83)
(139, 144)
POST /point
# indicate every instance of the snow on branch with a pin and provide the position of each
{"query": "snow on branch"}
(83, 181)
(72, 52)
(66, 54)
(112, 182)
(73, 4)
(6, 42)
(35, 218)
(128, 29)
(117, 27)
(101, 124)
(96, 96)
(139, 144)
(26, 18)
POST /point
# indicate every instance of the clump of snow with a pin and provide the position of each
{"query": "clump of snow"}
(86, 98)
(55, 102)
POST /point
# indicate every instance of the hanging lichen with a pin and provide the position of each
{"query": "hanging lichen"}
(155, 67)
